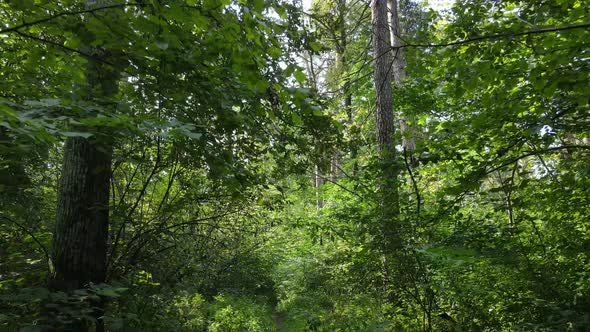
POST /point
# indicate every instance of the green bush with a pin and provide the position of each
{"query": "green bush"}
(232, 313)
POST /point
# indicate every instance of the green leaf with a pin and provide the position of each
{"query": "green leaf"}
(296, 119)
(317, 111)
(289, 70)
(315, 46)
(281, 11)
(275, 52)
(300, 76)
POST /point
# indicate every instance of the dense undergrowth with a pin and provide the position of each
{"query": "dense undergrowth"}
(245, 186)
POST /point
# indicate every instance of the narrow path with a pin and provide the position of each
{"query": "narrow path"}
(279, 318)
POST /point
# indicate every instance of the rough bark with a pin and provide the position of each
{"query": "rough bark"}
(81, 233)
(382, 78)
(384, 120)
(385, 125)
(80, 243)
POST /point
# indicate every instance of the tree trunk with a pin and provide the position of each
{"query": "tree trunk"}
(341, 55)
(81, 232)
(80, 243)
(399, 74)
(318, 181)
(385, 124)
(395, 40)
(382, 77)
(389, 205)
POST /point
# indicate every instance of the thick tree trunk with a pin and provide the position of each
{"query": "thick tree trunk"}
(80, 243)
(382, 77)
(81, 232)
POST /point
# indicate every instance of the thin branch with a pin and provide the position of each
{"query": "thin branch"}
(499, 36)
(66, 13)
(63, 47)
(339, 185)
(155, 170)
(537, 152)
(414, 183)
(24, 229)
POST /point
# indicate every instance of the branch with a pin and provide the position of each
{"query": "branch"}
(537, 152)
(509, 162)
(353, 178)
(63, 47)
(66, 13)
(500, 36)
(24, 229)
(339, 186)
(414, 184)
(199, 221)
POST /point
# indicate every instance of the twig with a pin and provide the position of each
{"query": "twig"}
(66, 13)
(63, 47)
(24, 229)
(414, 184)
(499, 36)
(339, 185)
(537, 152)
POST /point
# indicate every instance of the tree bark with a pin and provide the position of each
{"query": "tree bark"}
(385, 124)
(395, 40)
(389, 206)
(382, 77)
(81, 233)
(80, 243)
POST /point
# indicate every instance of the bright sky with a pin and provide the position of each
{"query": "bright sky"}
(439, 4)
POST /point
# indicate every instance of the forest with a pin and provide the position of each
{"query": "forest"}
(289, 165)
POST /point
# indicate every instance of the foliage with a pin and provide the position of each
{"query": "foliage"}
(240, 314)
(231, 119)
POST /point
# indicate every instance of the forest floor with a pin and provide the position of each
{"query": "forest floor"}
(279, 318)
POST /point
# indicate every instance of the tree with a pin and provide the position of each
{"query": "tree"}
(210, 128)
(385, 129)
(81, 229)
(390, 236)
(399, 73)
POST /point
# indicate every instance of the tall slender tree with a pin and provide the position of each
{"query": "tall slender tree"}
(399, 73)
(385, 129)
